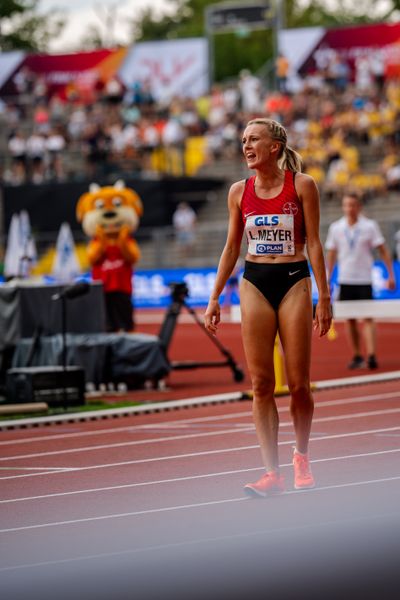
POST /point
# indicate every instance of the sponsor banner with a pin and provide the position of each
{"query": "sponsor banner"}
(171, 68)
(152, 288)
(297, 45)
(79, 72)
(354, 42)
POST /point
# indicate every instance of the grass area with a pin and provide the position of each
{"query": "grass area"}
(91, 405)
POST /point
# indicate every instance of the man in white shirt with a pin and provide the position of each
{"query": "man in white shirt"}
(350, 242)
(184, 221)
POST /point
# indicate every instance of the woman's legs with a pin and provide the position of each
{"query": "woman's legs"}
(259, 327)
(295, 330)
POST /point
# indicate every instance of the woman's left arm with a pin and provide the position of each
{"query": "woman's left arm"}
(309, 195)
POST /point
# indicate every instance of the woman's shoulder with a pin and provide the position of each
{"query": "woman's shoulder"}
(238, 187)
(304, 182)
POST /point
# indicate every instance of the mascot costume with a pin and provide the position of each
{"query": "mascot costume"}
(109, 215)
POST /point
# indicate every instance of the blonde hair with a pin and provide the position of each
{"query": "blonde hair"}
(288, 158)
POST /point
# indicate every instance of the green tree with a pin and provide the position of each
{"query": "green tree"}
(336, 13)
(23, 28)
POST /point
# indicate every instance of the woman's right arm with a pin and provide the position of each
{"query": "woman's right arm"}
(229, 256)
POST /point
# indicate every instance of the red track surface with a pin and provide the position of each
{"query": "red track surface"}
(152, 505)
(189, 342)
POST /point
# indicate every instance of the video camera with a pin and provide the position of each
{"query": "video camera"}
(179, 291)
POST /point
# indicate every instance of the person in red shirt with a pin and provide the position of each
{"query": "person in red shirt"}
(278, 211)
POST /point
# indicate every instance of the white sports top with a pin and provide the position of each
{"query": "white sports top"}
(354, 245)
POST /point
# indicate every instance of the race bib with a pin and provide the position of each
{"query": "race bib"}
(270, 234)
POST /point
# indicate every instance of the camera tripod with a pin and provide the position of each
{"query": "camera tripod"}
(178, 294)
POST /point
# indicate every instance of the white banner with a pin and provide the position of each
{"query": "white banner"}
(172, 68)
(9, 62)
(296, 45)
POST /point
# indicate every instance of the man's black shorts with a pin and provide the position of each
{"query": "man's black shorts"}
(355, 292)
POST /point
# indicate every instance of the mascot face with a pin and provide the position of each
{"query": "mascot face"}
(109, 208)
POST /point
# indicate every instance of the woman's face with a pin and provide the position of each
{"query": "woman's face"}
(259, 148)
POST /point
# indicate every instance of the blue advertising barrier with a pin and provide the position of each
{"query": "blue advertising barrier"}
(151, 288)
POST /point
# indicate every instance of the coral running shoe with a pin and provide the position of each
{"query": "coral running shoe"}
(270, 483)
(303, 478)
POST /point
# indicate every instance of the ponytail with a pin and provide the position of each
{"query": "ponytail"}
(290, 160)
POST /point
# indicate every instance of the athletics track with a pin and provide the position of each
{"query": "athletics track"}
(151, 505)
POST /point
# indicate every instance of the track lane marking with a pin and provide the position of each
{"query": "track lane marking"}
(208, 540)
(191, 477)
(117, 430)
(188, 436)
(164, 509)
(207, 452)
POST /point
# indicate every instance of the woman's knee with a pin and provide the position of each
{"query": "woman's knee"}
(300, 391)
(263, 386)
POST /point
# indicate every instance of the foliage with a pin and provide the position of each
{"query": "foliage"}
(23, 28)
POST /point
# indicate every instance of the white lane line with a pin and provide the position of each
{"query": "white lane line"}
(221, 417)
(37, 469)
(192, 477)
(188, 436)
(164, 509)
(201, 541)
(147, 441)
(206, 453)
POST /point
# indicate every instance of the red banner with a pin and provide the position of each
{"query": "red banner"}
(353, 42)
(79, 73)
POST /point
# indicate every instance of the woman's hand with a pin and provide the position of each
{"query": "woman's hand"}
(323, 316)
(212, 316)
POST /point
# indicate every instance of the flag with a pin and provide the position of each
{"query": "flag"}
(66, 265)
(12, 258)
(21, 250)
(28, 256)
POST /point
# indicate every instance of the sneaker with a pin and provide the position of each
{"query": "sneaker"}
(270, 483)
(371, 363)
(357, 363)
(303, 478)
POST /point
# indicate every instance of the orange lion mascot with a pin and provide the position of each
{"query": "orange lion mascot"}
(109, 215)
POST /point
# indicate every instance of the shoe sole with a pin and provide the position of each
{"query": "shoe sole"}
(304, 487)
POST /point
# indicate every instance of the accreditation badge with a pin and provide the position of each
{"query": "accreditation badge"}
(270, 235)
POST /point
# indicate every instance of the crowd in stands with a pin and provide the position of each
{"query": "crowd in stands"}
(332, 118)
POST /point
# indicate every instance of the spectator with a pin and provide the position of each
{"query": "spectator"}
(97, 146)
(282, 71)
(392, 177)
(350, 242)
(55, 146)
(184, 221)
(36, 152)
(250, 92)
(17, 150)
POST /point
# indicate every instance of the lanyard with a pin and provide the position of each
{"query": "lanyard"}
(351, 239)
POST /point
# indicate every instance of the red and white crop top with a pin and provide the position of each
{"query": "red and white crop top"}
(273, 226)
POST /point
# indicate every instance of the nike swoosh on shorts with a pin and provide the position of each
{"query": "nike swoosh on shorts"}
(294, 272)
